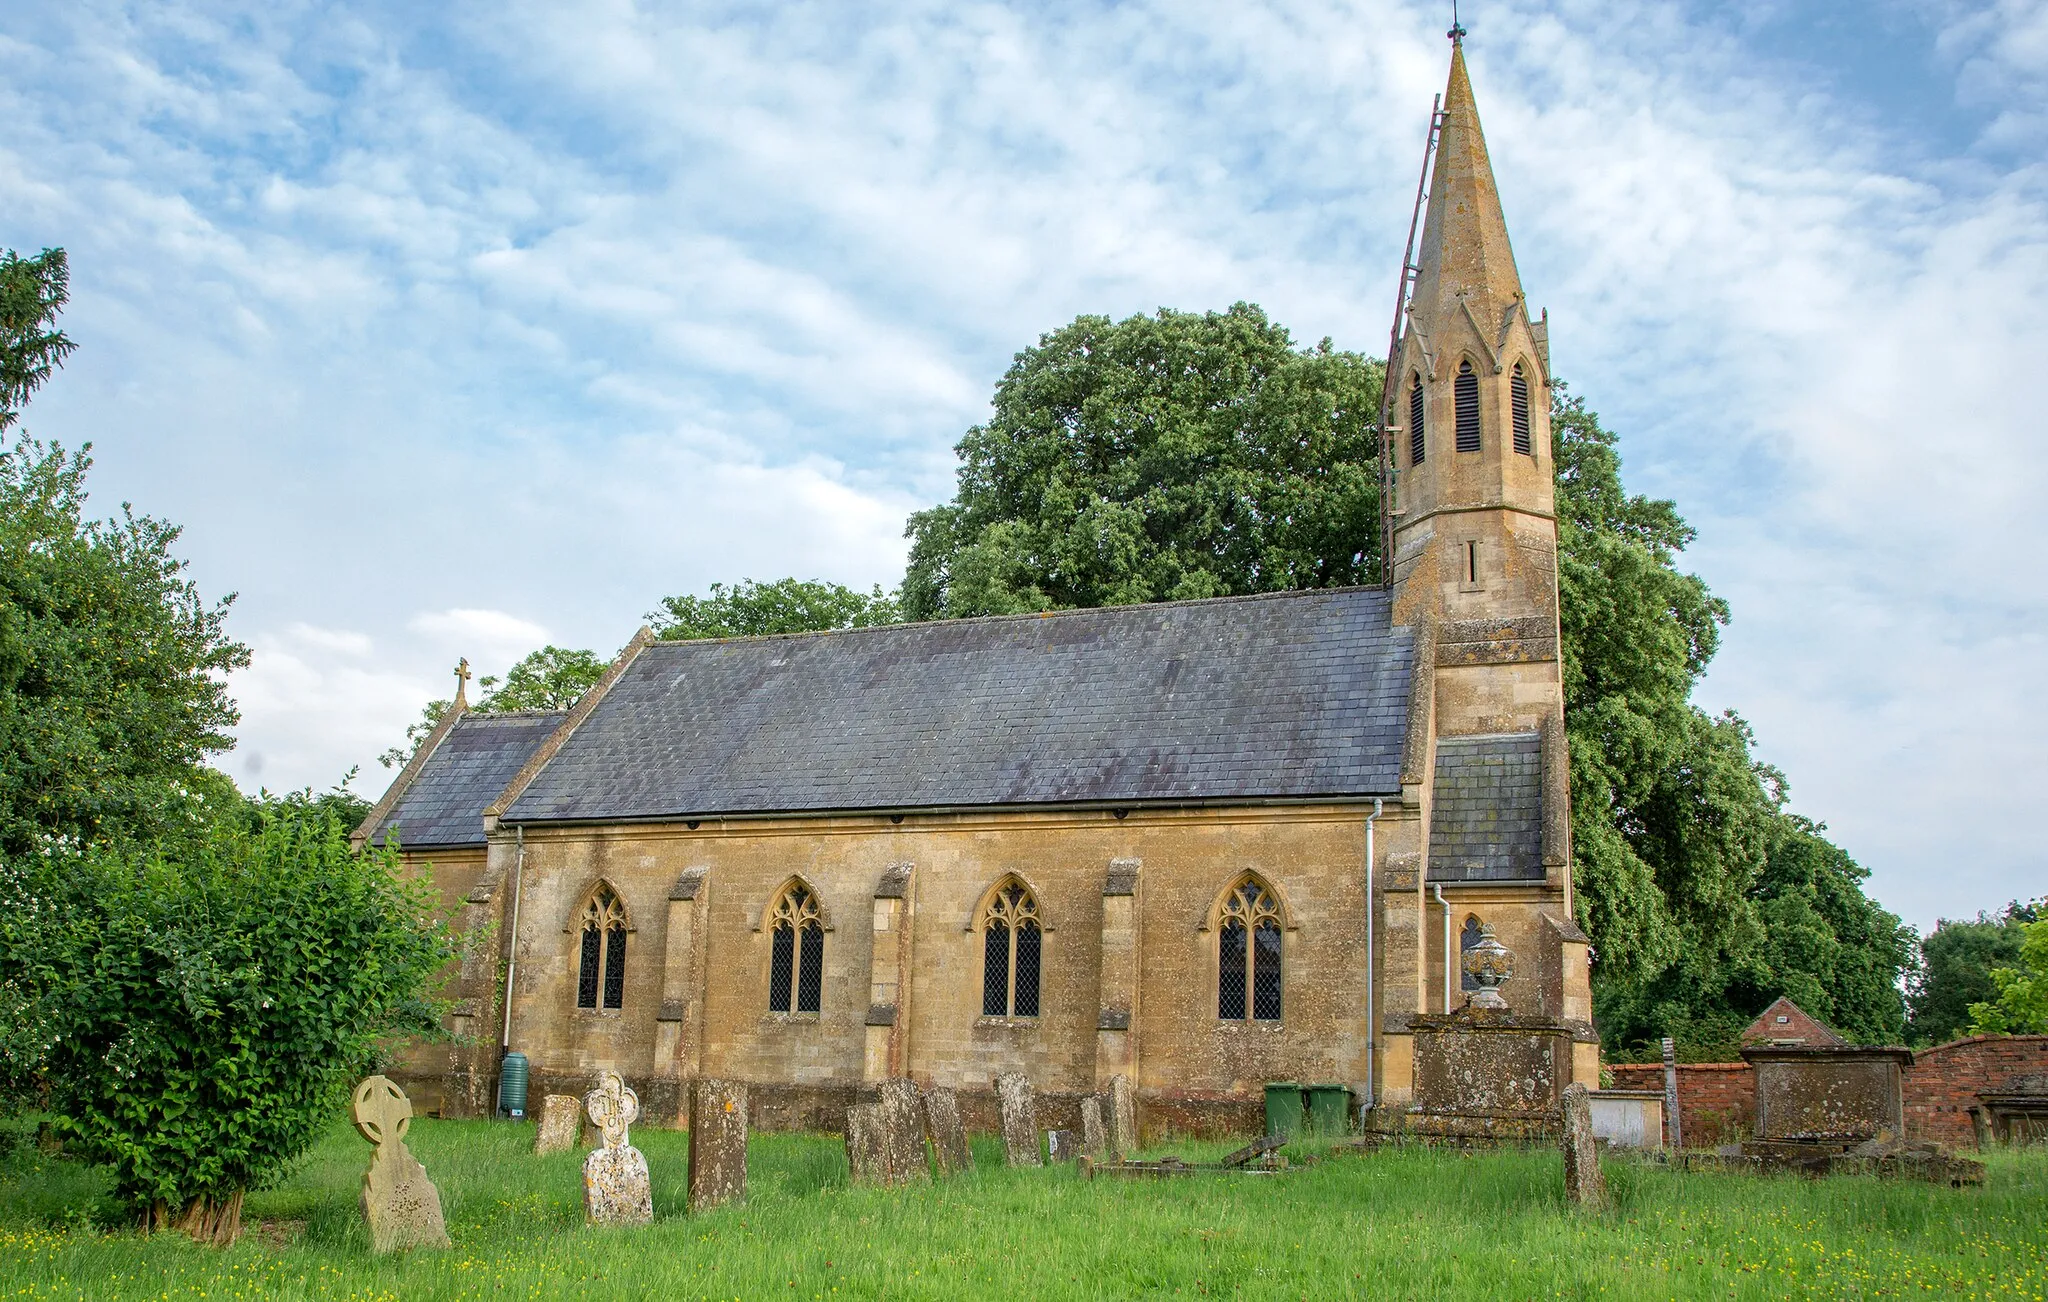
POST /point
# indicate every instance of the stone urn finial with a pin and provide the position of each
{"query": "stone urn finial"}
(1488, 964)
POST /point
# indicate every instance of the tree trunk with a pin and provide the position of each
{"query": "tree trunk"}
(212, 1220)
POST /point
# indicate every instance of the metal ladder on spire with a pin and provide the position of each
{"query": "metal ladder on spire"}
(1409, 271)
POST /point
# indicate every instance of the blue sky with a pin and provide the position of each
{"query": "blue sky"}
(455, 329)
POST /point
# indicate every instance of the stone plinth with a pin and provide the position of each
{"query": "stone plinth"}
(1584, 1184)
(1020, 1119)
(401, 1206)
(561, 1124)
(718, 1143)
(1828, 1092)
(1481, 1076)
(616, 1189)
(942, 1126)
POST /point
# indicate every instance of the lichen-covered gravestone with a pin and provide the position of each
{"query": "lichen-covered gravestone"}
(1584, 1185)
(561, 1122)
(864, 1161)
(1122, 1118)
(718, 1143)
(948, 1136)
(1020, 1119)
(400, 1204)
(1063, 1145)
(1094, 1135)
(616, 1190)
(902, 1118)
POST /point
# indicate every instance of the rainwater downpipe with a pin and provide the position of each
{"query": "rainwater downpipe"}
(1449, 967)
(1372, 1030)
(512, 950)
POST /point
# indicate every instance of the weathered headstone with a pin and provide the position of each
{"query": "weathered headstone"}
(400, 1204)
(1584, 1185)
(864, 1159)
(616, 1190)
(718, 1143)
(948, 1136)
(561, 1123)
(1062, 1145)
(1094, 1135)
(902, 1119)
(1122, 1117)
(1020, 1119)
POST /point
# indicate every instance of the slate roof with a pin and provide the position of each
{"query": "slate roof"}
(471, 767)
(1285, 695)
(1486, 823)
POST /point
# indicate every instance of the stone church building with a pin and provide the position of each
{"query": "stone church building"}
(1203, 845)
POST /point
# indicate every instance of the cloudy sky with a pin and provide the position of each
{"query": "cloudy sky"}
(455, 329)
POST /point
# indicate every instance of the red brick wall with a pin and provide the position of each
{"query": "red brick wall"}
(1945, 1081)
(1716, 1100)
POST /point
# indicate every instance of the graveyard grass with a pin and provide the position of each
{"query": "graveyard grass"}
(1406, 1223)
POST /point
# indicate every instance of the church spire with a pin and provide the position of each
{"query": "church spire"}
(1465, 252)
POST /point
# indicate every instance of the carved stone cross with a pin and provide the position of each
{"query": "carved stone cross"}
(400, 1204)
(462, 677)
(613, 1107)
(382, 1112)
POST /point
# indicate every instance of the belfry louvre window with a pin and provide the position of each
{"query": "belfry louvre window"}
(796, 954)
(1248, 936)
(1012, 942)
(1467, 391)
(601, 976)
(1518, 399)
(1415, 440)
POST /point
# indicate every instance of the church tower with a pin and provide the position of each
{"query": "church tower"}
(1474, 528)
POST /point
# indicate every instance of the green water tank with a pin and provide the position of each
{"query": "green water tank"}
(1329, 1109)
(512, 1080)
(1283, 1108)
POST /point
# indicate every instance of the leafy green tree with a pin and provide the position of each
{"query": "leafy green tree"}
(1956, 961)
(2021, 1007)
(208, 1009)
(111, 664)
(32, 292)
(750, 609)
(552, 678)
(1157, 459)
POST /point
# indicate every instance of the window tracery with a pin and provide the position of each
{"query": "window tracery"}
(796, 956)
(601, 973)
(1012, 949)
(1249, 944)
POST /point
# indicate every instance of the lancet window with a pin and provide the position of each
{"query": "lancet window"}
(1466, 390)
(796, 954)
(601, 975)
(1012, 943)
(1416, 446)
(1249, 944)
(1518, 401)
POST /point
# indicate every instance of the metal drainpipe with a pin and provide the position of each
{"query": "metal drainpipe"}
(512, 952)
(1449, 967)
(1371, 974)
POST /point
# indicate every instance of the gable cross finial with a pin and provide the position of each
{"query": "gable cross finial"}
(1457, 32)
(462, 676)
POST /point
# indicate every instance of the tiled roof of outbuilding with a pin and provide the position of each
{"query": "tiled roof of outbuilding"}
(444, 806)
(1486, 822)
(1284, 695)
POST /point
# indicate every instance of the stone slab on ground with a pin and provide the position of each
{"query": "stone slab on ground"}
(561, 1124)
(1020, 1119)
(718, 1143)
(942, 1126)
(1584, 1183)
(616, 1188)
(400, 1204)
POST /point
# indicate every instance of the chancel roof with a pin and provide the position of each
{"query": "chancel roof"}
(1282, 696)
(444, 805)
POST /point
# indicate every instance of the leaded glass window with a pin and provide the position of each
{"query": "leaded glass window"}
(796, 953)
(601, 972)
(1249, 943)
(1012, 943)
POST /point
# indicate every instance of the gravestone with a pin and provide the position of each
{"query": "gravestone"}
(1094, 1135)
(1121, 1116)
(561, 1123)
(400, 1204)
(864, 1160)
(902, 1118)
(718, 1143)
(1584, 1185)
(948, 1136)
(1062, 1145)
(616, 1190)
(1020, 1119)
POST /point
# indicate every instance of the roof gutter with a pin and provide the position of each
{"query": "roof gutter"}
(892, 811)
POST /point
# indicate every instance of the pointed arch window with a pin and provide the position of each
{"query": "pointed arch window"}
(1468, 936)
(601, 974)
(1012, 945)
(1466, 389)
(796, 952)
(1415, 440)
(1249, 950)
(1518, 400)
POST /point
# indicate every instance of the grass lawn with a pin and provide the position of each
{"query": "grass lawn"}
(1404, 1223)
